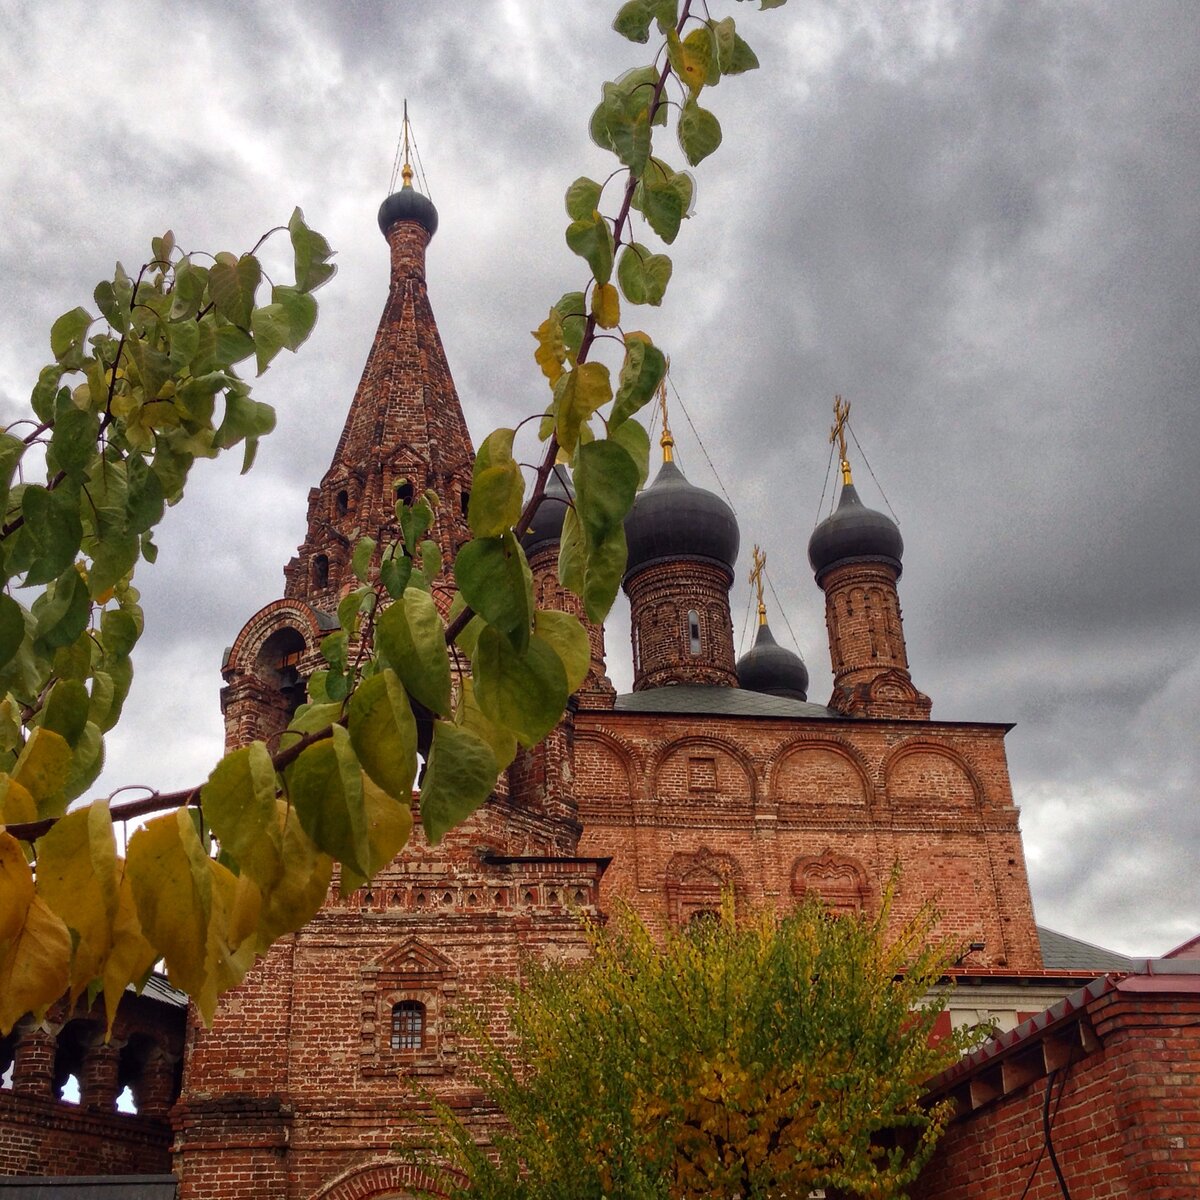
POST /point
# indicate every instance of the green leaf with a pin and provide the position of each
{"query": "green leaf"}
(66, 710)
(383, 733)
(591, 238)
(12, 628)
(394, 571)
(66, 334)
(11, 451)
(497, 488)
(232, 283)
(577, 395)
(187, 297)
(641, 373)
(53, 529)
(325, 786)
(470, 716)
(119, 631)
(636, 441)
(606, 482)
(62, 611)
(583, 198)
(564, 632)
(459, 777)
(699, 132)
(411, 639)
(238, 800)
(525, 693)
(360, 562)
(493, 578)
(621, 123)
(643, 276)
(312, 254)
(733, 54)
(271, 330)
(572, 309)
(664, 203)
(110, 306)
(431, 560)
(633, 21)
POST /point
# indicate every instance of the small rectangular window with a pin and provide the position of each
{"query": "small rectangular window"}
(408, 1025)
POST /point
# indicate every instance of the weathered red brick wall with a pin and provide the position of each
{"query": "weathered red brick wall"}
(41, 1134)
(47, 1137)
(823, 805)
(1124, 1118)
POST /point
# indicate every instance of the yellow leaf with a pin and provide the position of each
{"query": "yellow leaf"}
(130, 957)
(77, 878)
(16, 804)
(551, 351)
(606, 306)
(173, 898)
(292, 874)
(43, 768)
(16, 887)
(576, 396)
(34, 965)
(389, 824)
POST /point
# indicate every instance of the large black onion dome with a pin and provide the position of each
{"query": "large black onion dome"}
(853, 533)
(545, 528)
(769, 667)
(408, 205)
(675, 519)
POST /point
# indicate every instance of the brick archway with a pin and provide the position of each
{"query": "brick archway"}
(384, 1178)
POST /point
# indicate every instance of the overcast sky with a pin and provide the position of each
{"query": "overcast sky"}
(979, 222)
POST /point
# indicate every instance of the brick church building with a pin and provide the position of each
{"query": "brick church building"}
(713, 773)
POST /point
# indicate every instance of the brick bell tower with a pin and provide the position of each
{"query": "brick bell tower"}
(855, 554)
(683, 544)
(405, 433)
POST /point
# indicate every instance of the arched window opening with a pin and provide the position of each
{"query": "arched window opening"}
(8, 1060)
(343, 502)
(70, 1047)
(464, 501)
(694, 631)
(404, 491)
(278, 663)
(637, 650)
(320, 570)
(126, 1102)
(408, 1025)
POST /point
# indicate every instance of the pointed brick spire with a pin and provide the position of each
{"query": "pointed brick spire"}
(405, 429)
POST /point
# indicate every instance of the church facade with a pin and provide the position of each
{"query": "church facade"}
(710, 775)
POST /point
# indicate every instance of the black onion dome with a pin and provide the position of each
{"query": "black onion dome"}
(545, 528)
(408, 205)
(769, 667)
(854, 533)
(675, 519)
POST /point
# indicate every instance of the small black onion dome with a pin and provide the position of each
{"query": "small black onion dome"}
(853, 532)
(408, 205)
(545, 528)
(675, 519)
(769, 667)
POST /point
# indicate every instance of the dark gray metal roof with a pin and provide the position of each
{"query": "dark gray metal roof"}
(408, 205)
(852, 533)
(720, 702)
(769, 667)
(158, 988)
(89, 1187)
(1063, 953)
(674, 519)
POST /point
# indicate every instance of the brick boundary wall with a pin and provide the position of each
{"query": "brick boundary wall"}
(1120, 1062)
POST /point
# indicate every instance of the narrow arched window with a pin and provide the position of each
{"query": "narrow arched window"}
(320, 570)
(408, 1025)
(404, 491)
(694, 630)
(342, 501)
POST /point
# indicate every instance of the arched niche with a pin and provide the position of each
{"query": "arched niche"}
(698, 882)
(841, 883)
(813, 775)
(605, 770)
(929, 775)
(694, 770)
